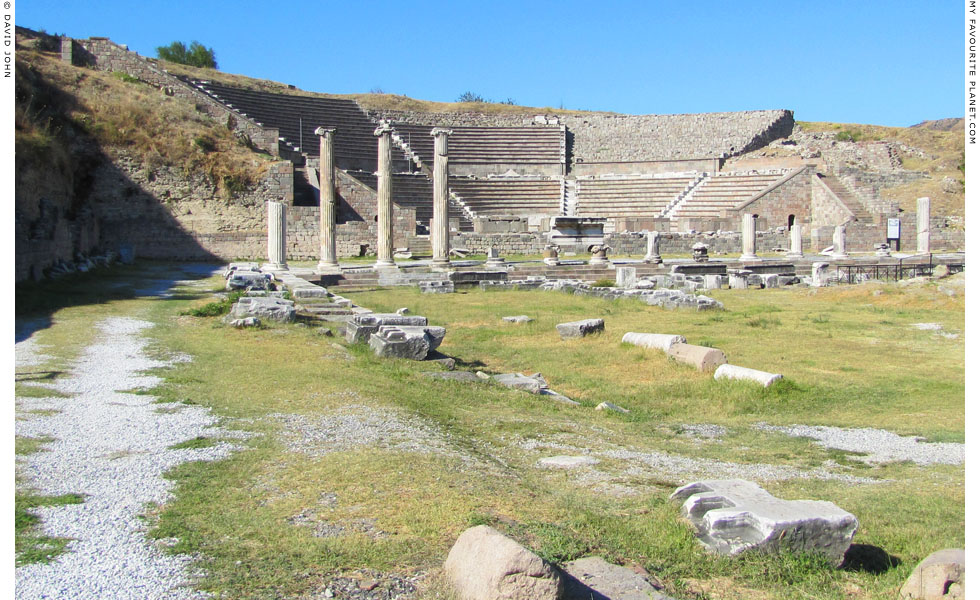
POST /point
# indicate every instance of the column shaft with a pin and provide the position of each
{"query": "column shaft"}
(328, 204)
(385, 247)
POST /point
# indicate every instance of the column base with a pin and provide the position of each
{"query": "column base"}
(441, 264)
(495, 263)
(275, 266)
(840, 256)
(385, 264)
(328, 268)
(748, 257)
(794, 255)
(653, 260)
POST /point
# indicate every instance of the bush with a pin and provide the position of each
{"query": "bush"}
(604, 283)
(196, 56)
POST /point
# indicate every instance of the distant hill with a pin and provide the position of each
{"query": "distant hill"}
(942, 124)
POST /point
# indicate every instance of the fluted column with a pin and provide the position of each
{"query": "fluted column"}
(748, 238)
(328, 204)
(277, 235)
(439, 234)
(385, 244)
(922, 237)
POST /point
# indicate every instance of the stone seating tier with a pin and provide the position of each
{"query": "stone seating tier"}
(724, 192)
(415, 191)
(355, 132)
(508, 196)
(629, 197)
(489, 144)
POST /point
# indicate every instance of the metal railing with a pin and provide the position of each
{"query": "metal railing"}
(893, 272)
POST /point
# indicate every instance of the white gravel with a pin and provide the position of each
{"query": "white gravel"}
(877, 445)
(112, 447)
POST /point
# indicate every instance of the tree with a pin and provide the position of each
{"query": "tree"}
(470, 97)
(196, 56)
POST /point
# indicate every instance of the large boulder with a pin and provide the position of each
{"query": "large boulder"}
(248, 280)
(487, 565)
(577, 329)
(940, 576)
(734, 515)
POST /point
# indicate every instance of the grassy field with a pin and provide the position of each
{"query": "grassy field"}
(366, 469)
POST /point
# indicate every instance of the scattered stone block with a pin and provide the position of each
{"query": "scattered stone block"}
(406, 341)
(248, 280)
(484, 564)
(518, 319)
(522, 382)
(657, 341)
(240, 266)
(447, 363)
(592, 578)
(246, 322)
(567, 462)
(940, 576)
(360, 327)
(727, 371)
(465, 376)
(437, 287)
(611, 406)
(274, 309)
(402, 253)
(577, 329)
(626, 277)
(735, 515)
(700, 357)
(556, 396)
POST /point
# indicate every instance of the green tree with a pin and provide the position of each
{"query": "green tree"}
(196, 56)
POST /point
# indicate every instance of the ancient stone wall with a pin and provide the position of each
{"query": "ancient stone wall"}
(614, 138)
(792, 196)
(106, 55)
(826, 209)
(457, 119)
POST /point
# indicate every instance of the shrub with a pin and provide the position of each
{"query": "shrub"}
(196, 56)
(604, 283)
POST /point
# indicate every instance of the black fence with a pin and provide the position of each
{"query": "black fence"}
(894, 272)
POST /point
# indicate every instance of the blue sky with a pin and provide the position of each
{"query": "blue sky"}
(886, 63)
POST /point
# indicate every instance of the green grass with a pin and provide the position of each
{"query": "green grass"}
(30, 546)
(196, 442)
(845, 363)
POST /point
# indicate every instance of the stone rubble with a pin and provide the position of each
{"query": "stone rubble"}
(578, 329)
(273, 309)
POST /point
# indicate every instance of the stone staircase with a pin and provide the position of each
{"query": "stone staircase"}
(678, 203)
(847, 196)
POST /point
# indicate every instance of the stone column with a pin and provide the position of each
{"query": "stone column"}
(923, 240)
(748, 238)
(440, 199)
(840, 243)
(277, 236)
(818, 274)
(795, 242)
(385, 259)
(653, 248)
(328, 204)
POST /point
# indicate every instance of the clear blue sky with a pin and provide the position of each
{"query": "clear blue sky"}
(857, 61)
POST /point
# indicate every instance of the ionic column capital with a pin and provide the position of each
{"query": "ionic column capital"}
(325, 131)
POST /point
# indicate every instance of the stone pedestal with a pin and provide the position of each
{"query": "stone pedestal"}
(840, 243)
(493, 258)
(653, 248)
(277, 236)
(795, 242)
(440, 199)
(599, 256)
(748, 238)
(328, 205)
(922, 238)
(738, 280)
(385, 211)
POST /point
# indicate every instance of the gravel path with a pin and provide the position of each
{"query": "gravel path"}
(112, 447)
(877, 445)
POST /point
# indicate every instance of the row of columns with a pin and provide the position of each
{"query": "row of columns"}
(439, 233)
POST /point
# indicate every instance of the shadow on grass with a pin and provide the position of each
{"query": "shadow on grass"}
(869, 559)
(36, 302)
